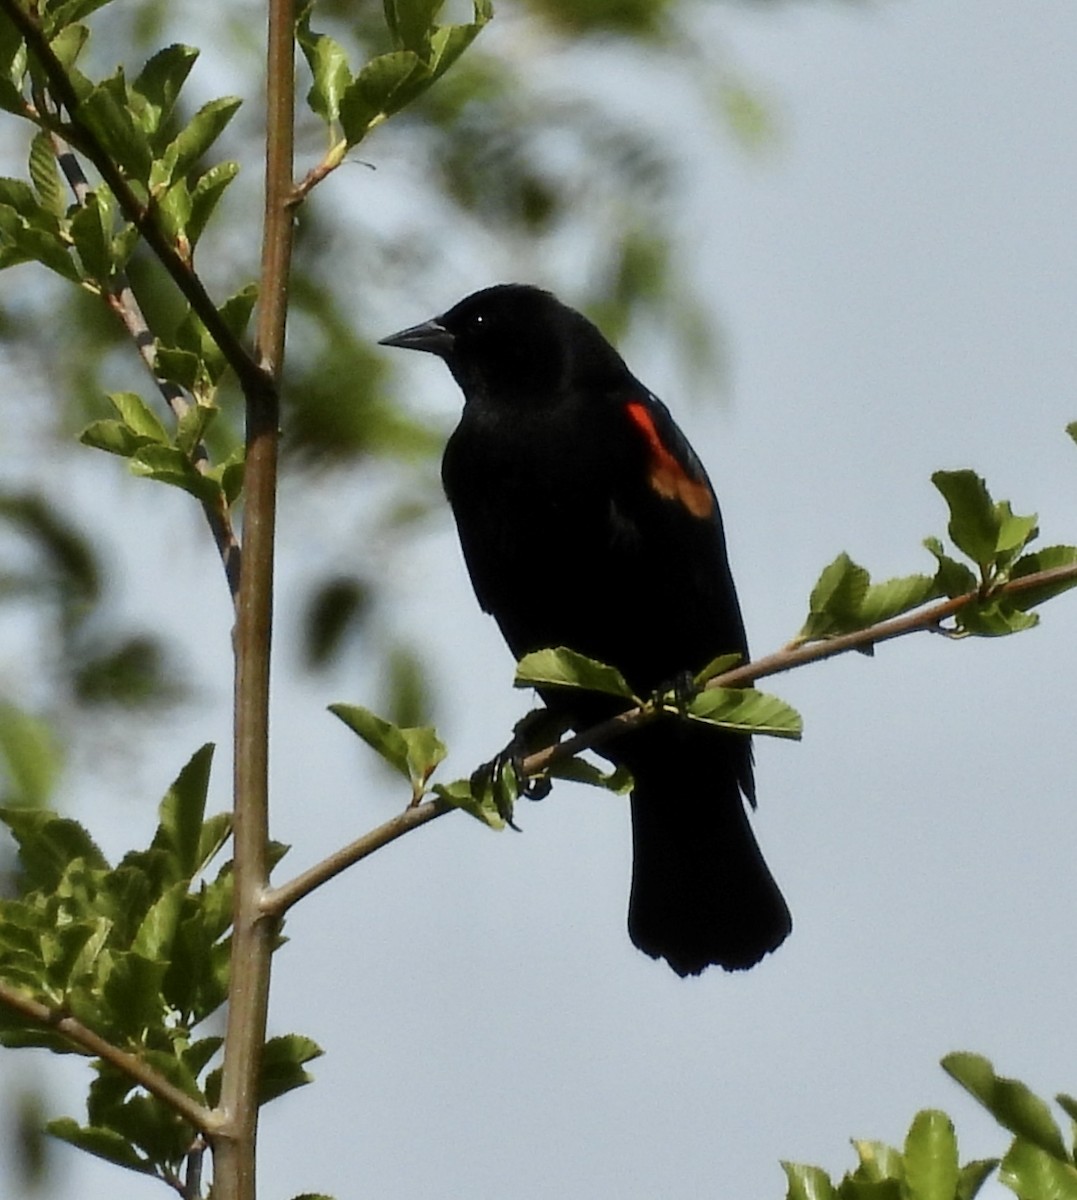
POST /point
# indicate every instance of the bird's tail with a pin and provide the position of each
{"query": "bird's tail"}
(701, 892)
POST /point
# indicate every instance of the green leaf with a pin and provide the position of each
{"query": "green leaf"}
(139, 417)
(1035, 1174)
(177, 366)
(123, 245)
(70, 11)
(105, 110)
(103, 1143)
(425, 52)
(68, 46)
(192, 425)
(112, 436)
(198, 1054)
(413, 752)
(168, 464)
(974, 521)
(878, 1161)
(561, 667)
(48, 844)
(329, 67)
(746, 711)
(204, 197)
(174, 210)
(229, 473)
(131, 996)
(158, 929)
(952, 578)
(896, 596)
(32, 757)
(1009, 1101)
(23, 241)
(972, 1176)
(717, 666)
(283, 1060)
(483, 807)
(181, 813)
(411, 22)
(188, 146)
(450, 41)
(579, 770)
(931, 1167)
(995, 618)
(807, 1183)
(1046, 559)
(216, 830)
(834, 605)
(91, 231)
(1071, 429)
(46, 175)
(20, 196)
(382, 87)
(1014, 532)
(158, 85)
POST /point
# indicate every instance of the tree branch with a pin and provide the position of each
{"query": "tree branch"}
(131, 1065)
(120, 297)
(277, 901)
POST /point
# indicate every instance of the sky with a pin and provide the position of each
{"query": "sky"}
(896, 283)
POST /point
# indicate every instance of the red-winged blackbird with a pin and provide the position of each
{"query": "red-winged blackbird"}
(587, 521)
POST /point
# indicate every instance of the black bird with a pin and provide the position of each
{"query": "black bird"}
(586, 520)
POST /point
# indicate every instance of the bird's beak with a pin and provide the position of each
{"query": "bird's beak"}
(430, 336)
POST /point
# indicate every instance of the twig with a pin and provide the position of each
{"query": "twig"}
(277, 901)
(120, 297)
(131, 1065)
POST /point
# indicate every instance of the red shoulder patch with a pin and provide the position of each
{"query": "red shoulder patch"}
(665, 474)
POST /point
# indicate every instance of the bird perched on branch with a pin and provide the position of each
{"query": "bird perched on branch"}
(587, 521)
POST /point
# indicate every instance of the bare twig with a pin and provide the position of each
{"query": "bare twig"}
(120, 297)
(277, 901)
(201, 1118)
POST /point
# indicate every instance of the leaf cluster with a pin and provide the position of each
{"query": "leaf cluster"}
(1040, 1163)
(423, 50)
(992, 547)
(130, 121)
(137, 953)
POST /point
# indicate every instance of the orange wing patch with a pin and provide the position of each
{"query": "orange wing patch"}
(666, 475)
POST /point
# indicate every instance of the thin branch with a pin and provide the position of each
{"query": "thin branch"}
(131, 1065)
(277, 901)
(252, 379)
(120, 297)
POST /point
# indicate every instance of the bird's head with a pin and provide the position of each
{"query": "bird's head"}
(516, 344)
